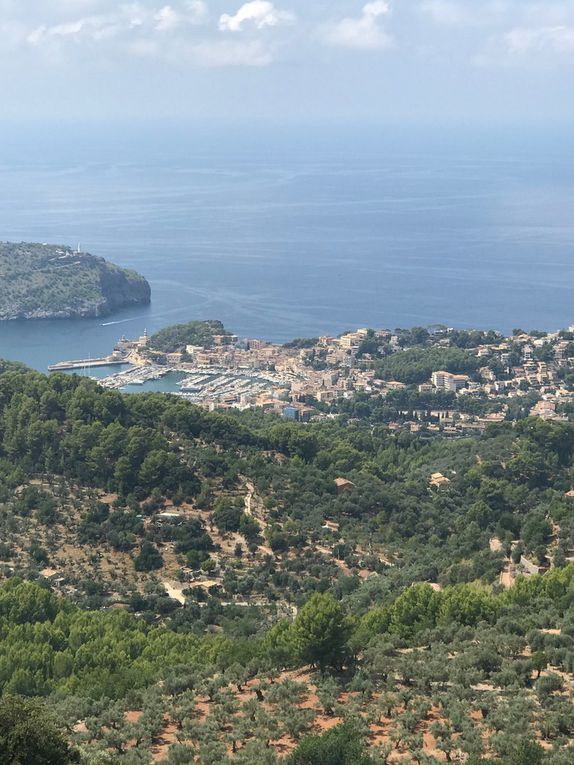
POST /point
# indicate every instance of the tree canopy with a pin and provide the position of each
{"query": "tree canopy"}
(29, 736)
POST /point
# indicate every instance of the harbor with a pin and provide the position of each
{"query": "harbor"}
(299, 380)
(135, 376)
(218, 387)
(222, 371)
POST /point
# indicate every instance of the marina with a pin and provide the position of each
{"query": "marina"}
(134, 376)
(217, 386)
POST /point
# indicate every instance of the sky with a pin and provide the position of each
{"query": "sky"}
(383, 61)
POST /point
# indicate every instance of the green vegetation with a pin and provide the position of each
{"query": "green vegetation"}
(465, 654)
(416, 365)
(473, 338)
(50, 645)
(42, 281)
(341, 746)
(318, 626)
(320, 632)
(176, 338)
(301, 343)
(29, 736)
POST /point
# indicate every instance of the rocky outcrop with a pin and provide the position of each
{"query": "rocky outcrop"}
(121, 288)
(52, 282)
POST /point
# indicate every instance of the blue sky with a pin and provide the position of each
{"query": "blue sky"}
(435, 61)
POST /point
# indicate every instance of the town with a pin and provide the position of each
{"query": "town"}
(310, 379)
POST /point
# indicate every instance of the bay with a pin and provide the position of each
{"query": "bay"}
(283, 232)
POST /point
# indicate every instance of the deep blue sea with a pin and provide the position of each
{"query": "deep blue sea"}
(287, 232)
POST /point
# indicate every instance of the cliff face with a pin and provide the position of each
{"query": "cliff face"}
(121, 288)
(51, 282)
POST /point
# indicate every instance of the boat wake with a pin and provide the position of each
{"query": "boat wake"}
(121, 321)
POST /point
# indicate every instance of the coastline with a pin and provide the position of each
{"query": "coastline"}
(456, 380)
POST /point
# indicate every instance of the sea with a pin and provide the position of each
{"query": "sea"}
(284, 231)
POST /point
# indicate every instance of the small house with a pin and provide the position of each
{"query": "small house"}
(343, 485)
(438, 480)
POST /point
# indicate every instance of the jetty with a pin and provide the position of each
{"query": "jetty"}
(87, 363)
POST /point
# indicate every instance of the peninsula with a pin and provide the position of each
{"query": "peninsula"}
(40, 281)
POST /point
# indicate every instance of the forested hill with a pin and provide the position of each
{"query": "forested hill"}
(175, 339)
(40, 281)
(191, 587)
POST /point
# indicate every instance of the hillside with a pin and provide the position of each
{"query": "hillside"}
(218, 598)
(52, 282)
(176, 338)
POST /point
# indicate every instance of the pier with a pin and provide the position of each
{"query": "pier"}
(86, 364)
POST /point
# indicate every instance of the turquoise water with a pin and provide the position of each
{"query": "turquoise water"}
(166, 384)
(297, 233)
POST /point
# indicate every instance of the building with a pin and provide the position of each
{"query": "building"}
(343, 485)
(306, 413)
(438, 480)
(546, 410)
(225, 339)
(447, 381)
(256, 345)
(530, 568)
(170, 517)
(291, 413)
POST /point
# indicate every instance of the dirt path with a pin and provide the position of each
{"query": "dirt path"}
(175, 592)
(250, 501)
(249, 498)
(506, 577)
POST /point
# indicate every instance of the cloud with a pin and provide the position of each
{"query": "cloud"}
(529, 46)
(167, 19)
(197, 11)
(94, 28)
(364, 32)
(126, 20)
(104, 33)
(524, 41)
(155, 31)
(90, 28)
(503, 33)
(258, 13)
